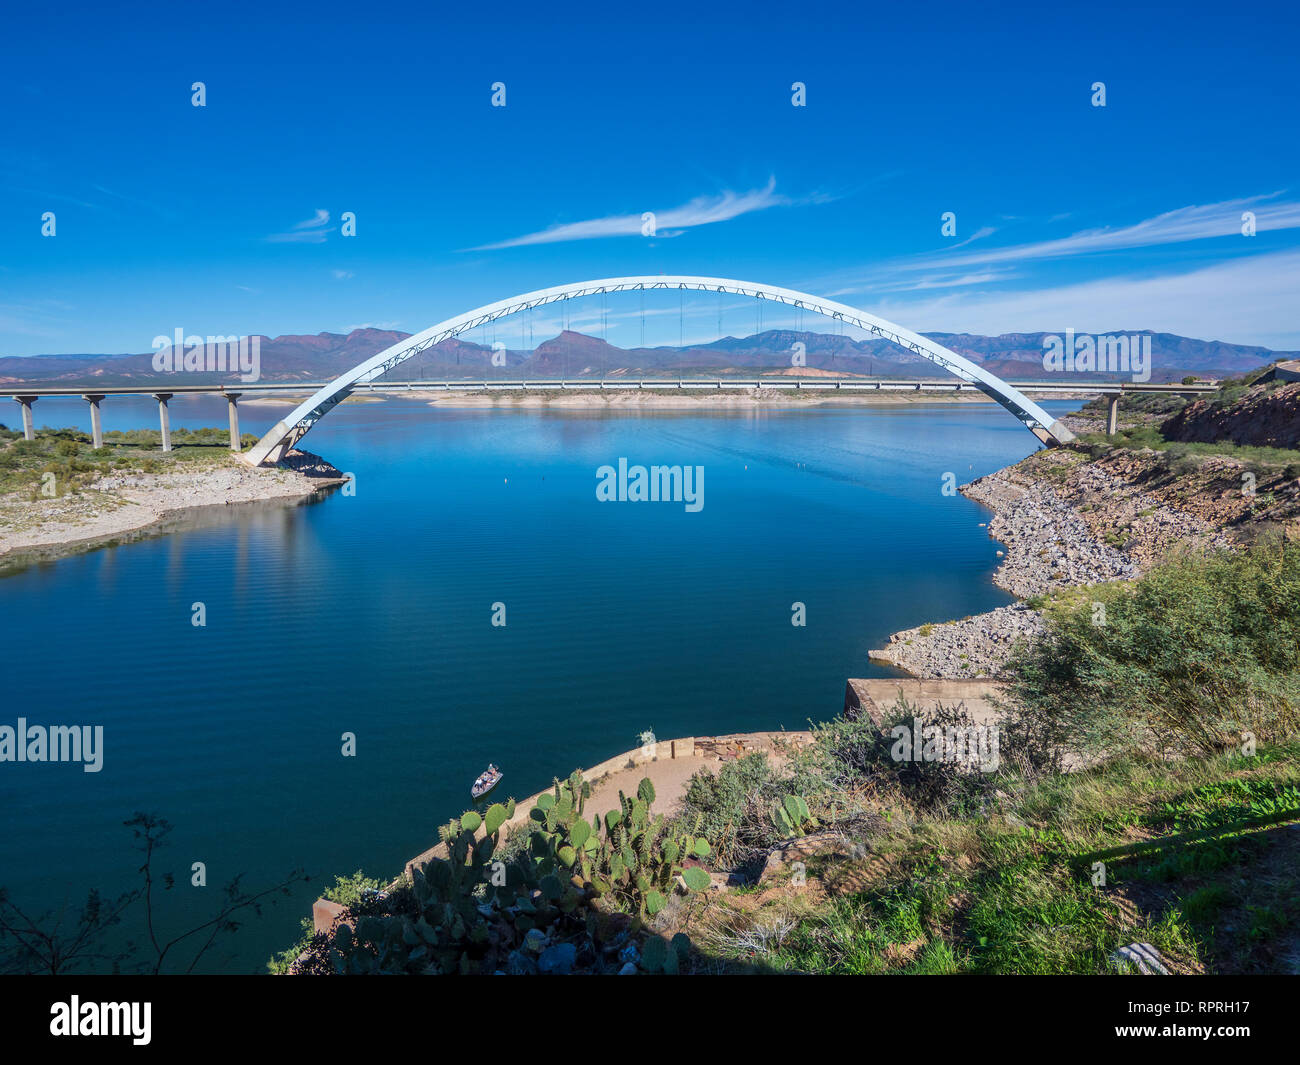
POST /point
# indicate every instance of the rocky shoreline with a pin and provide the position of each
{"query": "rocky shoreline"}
(976, 646)
(1064, 520)
(1048, 544)
(131, 504)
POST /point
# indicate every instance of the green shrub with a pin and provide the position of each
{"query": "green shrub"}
(1194, 654)
(350, 890)
(730, 806)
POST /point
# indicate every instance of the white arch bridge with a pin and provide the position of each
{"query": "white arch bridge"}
(294, 426)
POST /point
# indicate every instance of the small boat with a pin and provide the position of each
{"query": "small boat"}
(486, 781)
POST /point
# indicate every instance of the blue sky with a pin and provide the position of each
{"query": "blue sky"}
(226, 219)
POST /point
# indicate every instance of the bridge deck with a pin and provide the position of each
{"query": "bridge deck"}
(481, 384)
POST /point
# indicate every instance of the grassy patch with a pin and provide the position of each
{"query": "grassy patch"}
(1015, 893)
(74, 464)
(1148, 436)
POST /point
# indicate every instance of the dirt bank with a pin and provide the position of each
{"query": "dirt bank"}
(130, 503)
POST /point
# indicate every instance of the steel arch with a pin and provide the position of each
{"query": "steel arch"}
(294, 426)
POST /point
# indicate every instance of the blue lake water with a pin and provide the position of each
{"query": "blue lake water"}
(371, 613)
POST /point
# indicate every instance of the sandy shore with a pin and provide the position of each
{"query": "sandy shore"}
(131, 505)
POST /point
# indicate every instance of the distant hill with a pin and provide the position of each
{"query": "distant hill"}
(1016, 356)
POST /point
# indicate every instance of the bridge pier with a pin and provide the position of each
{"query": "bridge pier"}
(233, 399)
(1112, 414)
(164, 419)
(25, 402)
(96, 422)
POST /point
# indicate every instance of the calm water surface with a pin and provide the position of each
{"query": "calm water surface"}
(370, 613)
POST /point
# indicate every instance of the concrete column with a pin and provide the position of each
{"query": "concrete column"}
(233, 399)
(96, 422)
(29, 430)
(164, 419)
(1112, 414)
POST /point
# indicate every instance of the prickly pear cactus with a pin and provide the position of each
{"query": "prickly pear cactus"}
(791, 816)
(474, 908)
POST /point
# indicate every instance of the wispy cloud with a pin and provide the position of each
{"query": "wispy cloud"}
(1249, 300)
(312, 231)
(979, 234)
(886, 277)
(983, 277)
(701, 211)
(1201, 222)
(342, 275)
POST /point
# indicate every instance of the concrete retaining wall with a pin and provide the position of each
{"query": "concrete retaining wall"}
(874, 697)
